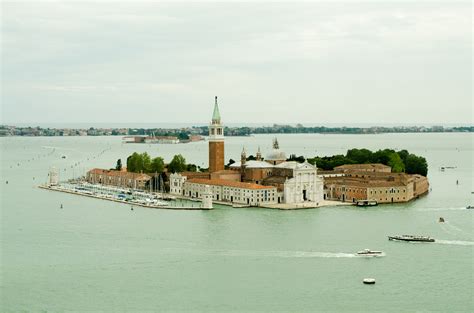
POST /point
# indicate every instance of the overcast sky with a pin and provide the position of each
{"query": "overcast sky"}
(309, 62)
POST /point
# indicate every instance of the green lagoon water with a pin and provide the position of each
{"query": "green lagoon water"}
(98, 256)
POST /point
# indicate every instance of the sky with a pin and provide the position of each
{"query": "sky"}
(314, 62)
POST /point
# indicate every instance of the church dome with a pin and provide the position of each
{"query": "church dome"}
(276, 155)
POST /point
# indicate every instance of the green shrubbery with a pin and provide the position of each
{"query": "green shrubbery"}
(143, 163)
(399, 161)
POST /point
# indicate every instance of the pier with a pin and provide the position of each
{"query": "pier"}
(160, 205)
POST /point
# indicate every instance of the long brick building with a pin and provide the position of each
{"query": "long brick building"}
(118, 178)
(374, 183)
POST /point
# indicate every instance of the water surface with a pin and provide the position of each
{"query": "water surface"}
(99, 256)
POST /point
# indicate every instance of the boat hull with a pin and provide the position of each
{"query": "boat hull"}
(414, 239)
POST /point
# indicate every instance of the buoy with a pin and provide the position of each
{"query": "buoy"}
(131, 208)
(441, 220)
(7, 182)
(369, 281)
(61, 205)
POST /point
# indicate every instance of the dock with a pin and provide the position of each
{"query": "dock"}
(150, 206)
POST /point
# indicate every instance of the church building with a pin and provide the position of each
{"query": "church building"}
(257, 182)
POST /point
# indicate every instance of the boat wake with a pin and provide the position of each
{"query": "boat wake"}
(285, 254)
(452, 229)
(441, 209)
(445, 229)
(455, 242)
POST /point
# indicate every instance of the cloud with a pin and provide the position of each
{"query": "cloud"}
(293, 61)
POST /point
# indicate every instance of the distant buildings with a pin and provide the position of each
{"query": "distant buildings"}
(160, 139)
(151, 139)
(188, 132)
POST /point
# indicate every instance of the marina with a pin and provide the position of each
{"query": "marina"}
(124, 196)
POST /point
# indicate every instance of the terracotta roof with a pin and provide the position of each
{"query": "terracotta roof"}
(225, 172)
(129, 175)
(363, 182)
(190, 174)
(228, 183)
(252, 164)
(362, 166)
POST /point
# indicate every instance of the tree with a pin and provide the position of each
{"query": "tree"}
(157, 165)
(177, 164)
(299, 159)
(403, 155)
(382, 156)
(118, 166)
(191, 168)
(416, 165)
(231, 161)
(132, 162)
(359, 155)
(183, 136)
(396, 163)
(145, 163)
(138, 163)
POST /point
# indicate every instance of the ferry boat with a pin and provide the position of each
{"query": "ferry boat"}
(412, 238)
(368, 252)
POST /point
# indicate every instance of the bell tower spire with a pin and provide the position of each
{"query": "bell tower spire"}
(259, 154)
(216, 141)
(216, 116)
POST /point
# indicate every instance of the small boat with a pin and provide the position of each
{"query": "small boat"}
(366, 203)
(411, 238)
(441, 220)
(63, 157)
(368, 252)
(470, 207)
(369, 281)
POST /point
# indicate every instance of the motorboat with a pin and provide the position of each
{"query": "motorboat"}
(369, 281)
(363, 203)
(368, 252)
(412, 238)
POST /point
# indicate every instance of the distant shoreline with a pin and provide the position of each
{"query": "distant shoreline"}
(16, 131)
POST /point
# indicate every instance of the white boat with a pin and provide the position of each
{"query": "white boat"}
(368, 252)
(369, 281)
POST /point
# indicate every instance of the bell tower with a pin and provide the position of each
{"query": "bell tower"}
(259, 155)
(216, 141)
(243, 161)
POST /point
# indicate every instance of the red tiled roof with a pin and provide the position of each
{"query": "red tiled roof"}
(228, 183)
(368, 165)
(362, 166)
(129, 175)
